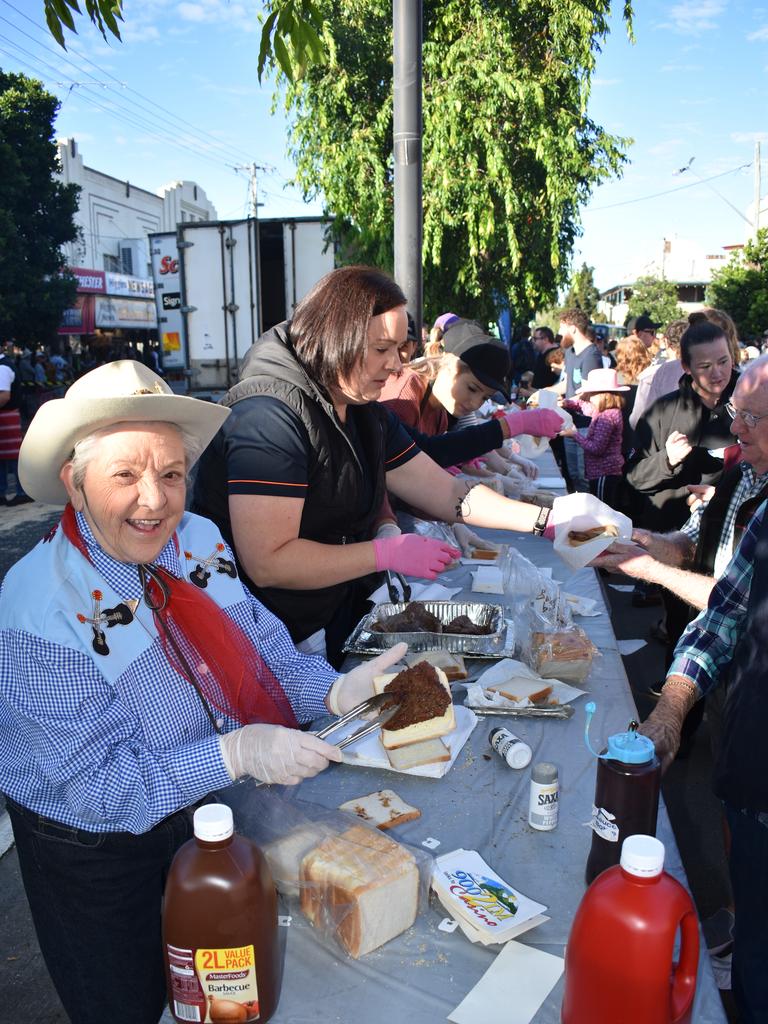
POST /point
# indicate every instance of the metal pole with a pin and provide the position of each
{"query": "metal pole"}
(757, 188)
(406, 39)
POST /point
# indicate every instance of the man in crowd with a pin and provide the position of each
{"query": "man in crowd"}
(645, 329)
(581, 356)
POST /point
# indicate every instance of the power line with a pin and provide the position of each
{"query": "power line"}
(129, 117)
(199, 132)
(669, 191)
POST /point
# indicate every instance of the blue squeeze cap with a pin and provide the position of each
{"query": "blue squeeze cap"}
(630, 748)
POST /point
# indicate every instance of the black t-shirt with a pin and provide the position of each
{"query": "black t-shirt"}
(578, 366)
(544, 375)
(263, 448)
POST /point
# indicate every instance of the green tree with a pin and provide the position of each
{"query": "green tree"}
(741, 287)
(582, 292)
(657, 298)
(509, 153)
(36, 214)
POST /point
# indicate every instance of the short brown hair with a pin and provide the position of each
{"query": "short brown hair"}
(728, 327)
(329, 330)
(577, 318)
(606, 400)
(632, 357)
(673, 333)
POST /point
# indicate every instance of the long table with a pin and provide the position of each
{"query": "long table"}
(480, 804)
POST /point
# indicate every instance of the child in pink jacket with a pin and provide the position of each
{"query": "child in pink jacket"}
(600, 397)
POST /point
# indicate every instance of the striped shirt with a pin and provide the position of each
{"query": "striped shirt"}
(708, 644)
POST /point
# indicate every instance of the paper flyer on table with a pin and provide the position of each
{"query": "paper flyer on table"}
(468, 888)
(419, 592)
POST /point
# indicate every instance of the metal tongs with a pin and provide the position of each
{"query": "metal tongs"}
(372, 704)
(394, 597)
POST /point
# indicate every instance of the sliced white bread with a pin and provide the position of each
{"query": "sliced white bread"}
(417, 754)
(430, 729)
(451, 664)
(534, 690)
(361, 886)
(384, 809)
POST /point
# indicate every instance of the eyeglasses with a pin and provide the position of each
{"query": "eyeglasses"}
(750, 420)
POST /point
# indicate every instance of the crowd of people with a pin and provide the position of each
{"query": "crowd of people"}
(196, 643)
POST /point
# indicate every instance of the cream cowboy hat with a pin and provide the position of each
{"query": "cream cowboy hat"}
(121, 392)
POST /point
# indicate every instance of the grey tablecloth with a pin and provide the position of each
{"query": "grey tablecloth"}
(480, 804)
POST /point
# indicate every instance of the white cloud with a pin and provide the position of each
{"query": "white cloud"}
(603, 83)
(761, 35)
(691, 17)
(665, 148)
(681, 68)
(221, 12)
(749, 137)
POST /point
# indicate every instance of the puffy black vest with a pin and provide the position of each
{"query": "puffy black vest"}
(740, 777)
(337, 476)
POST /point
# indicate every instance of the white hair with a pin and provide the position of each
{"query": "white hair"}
(85, 448)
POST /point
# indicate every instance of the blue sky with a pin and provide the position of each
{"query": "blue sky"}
(179, 98)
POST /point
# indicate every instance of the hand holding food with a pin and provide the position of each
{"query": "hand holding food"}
(578, 537)
(537, 422)
(414, 555)
(356, 685)
(272, 753)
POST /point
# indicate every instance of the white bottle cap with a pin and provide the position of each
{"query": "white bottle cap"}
(213, 823)
(519, 755)
(642, 856)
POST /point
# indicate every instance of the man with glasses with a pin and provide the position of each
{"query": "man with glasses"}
(727, 643)
(645, 329)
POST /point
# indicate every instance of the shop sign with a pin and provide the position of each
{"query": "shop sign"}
(88, 281)
(123, 284)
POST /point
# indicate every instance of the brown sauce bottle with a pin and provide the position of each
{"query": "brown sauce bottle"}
(222, 956)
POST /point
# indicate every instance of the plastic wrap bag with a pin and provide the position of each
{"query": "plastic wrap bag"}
(579, 512)
(565, 654)
(356, 886)
(524, 581)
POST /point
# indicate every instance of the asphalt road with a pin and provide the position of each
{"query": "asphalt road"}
(26, 994)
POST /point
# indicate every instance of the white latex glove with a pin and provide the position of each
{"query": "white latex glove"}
(273, 753)
(356, 685)
(388, 529)
(468, 539)
(528, 467)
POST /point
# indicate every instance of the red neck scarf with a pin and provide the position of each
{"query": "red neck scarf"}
(204, 646)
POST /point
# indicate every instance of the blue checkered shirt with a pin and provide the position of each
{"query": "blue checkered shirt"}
(747, 488)
(709, 642)
(119, 756)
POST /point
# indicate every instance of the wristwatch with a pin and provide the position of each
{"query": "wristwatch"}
(541, 521)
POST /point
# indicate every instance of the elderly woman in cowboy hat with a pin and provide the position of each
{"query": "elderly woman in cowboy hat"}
(137, 675)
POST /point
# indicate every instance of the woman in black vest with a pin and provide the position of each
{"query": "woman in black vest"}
(296, 478)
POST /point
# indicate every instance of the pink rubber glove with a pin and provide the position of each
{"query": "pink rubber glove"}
(413, 555)
(537, 422)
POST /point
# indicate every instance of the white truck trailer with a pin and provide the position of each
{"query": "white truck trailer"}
(220, 284)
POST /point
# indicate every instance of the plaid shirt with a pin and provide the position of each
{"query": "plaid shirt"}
(108, 746)
(708, 643)
(747, 488)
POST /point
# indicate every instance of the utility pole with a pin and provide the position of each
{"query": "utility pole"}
(253, 212)
(407, 39)
(757, 189)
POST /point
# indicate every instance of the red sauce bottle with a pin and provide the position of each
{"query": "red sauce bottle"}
(222, 953)
(618, 961)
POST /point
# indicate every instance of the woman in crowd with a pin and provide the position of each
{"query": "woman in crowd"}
(297, 474)
(137, 675)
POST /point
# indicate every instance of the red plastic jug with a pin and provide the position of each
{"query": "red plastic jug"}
(618, 961)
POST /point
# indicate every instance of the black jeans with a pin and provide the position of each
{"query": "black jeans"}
(748, 863)
(96, 901)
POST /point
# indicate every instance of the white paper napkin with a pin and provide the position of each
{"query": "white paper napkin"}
(419, 592)
(519, 980)
(509, 669)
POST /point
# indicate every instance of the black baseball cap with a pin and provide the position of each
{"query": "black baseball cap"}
(644, 323)
(486, 356)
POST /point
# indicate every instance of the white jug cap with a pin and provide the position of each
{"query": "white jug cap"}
(213, 823)
(642, 856)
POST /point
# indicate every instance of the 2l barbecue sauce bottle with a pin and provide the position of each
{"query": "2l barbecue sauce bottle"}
(222, 955)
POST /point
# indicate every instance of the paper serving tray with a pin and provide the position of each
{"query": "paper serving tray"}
(364, 640)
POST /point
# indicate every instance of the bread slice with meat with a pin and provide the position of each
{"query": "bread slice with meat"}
(412, 685)
(360, 886)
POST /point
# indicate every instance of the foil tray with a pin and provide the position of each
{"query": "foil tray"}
(364, 640)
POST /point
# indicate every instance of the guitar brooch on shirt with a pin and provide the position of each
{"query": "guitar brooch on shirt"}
(120, 615)
(201, 573)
